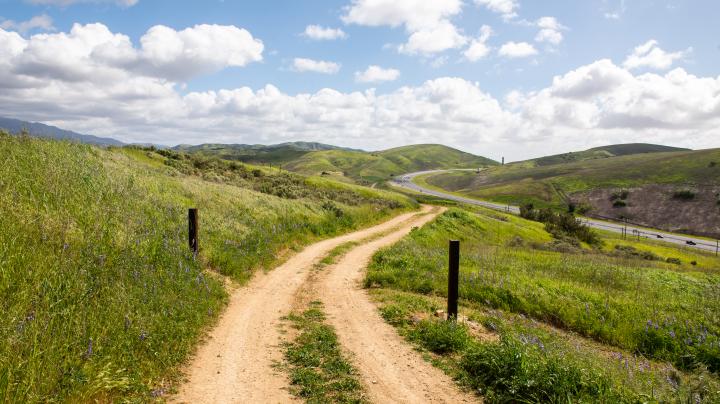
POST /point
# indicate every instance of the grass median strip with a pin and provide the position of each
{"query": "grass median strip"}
(319, 371)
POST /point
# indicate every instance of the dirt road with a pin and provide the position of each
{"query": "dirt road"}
(392, 370)
(235, 364)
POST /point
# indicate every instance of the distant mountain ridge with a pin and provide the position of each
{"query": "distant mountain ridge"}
(16, 126)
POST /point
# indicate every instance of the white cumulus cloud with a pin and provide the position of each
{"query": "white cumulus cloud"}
(507, 8)
(429, 41)
(517, 50)
(320, 33)
(102, 86)
(316, 66)
(374, 74)
(427, 22)
(478, 48)
(93, 51)
(550, 31)
(650, 55)
(42, 22)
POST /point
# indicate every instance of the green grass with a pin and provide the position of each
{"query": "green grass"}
(664, 311)
(505, 357)
(319, 372)
(336, 253)
(101, 298)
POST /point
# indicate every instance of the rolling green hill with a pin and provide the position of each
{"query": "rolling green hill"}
(102, 299)
(382, 165)
(652, 180)
(342, 163)
(604, 152)
(257, 154)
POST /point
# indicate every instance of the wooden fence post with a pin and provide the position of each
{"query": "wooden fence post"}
(453, 279)
(193, 230)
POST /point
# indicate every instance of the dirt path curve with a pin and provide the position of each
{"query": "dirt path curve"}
(392, 370)
(235, 363)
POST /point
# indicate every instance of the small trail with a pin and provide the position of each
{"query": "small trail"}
(393, 372)
(235, 363)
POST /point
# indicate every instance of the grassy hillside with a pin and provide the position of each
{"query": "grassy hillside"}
(553, 321)
(382, 165)
(100, 295)
(603, 152)
(652, 181)
(257, 154)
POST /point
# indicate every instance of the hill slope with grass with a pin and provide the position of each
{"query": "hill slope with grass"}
(100, 295)
(544, 317)
(382, 165)
(602, 152)
(675, 191)
(257, 154)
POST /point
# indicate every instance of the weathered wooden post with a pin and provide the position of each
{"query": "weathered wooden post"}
(453, 280)
(193, 230)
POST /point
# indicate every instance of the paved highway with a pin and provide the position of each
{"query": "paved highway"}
(406, 181)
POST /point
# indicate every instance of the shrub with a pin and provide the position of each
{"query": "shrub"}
(332, 208)
(712, 164)
(562, 226)
(518, 370)
(632, 252)
(684, 194)
(675, 261)
(441, 337)
(583, 208)
(619, 203)
(620, 195)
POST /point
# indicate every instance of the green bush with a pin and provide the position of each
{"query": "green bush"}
(632, 252)
(620, 195)
(563, 226)
(685, 194)
(441, 337)
(520, 370)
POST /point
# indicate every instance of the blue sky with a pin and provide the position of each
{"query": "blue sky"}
(521, 89)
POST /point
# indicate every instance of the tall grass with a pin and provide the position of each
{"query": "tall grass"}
(507, 357)
(99, 293)
(664, 311)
